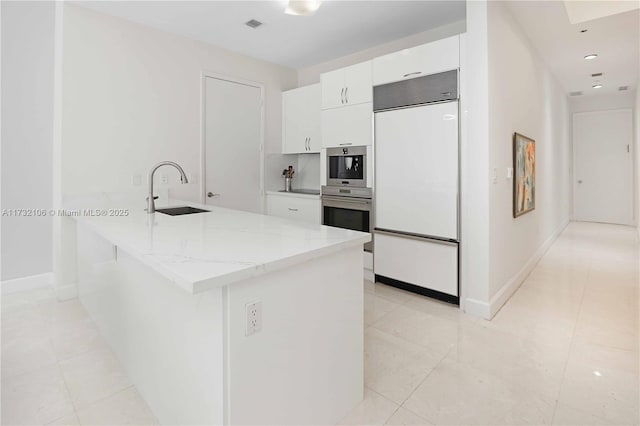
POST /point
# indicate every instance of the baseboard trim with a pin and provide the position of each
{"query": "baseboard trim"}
(477, 308)
(31, 282)
(67, 292)
(501, 297)
(368, 275)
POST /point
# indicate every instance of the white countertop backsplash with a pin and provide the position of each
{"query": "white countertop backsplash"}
(207, 250)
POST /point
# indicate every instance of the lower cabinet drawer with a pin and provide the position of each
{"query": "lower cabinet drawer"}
(426, 263)
(294, 208)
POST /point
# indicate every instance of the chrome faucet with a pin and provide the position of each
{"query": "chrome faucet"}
(151, 205)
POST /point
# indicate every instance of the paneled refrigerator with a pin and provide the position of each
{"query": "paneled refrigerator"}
(417, 185)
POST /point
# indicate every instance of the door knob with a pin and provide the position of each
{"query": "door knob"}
(211, 194)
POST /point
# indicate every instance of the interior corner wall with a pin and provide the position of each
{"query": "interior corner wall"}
(524, 97)
(27, 136)
(132, 97)
(474, 176)
(637, 152)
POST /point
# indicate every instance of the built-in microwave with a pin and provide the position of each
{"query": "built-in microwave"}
(347, 166)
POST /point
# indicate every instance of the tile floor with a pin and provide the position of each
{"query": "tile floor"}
(563, 350)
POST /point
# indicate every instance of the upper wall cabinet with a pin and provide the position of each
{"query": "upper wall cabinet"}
(301, 111)
(431, 58)
(347, 86)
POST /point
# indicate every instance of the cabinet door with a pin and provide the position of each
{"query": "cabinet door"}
(332, 89)
(348, 126)
(426, 263)
(294, 208)
(301, 120)
(313, 118)
(431, 58)
(358, 83)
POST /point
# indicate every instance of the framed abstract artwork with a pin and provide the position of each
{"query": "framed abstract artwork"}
(524, 174)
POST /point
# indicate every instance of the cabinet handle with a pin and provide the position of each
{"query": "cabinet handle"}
(346, 95)
(342, 95)
(412, 73)
(309, 143)
(292, 210)
(344, 144)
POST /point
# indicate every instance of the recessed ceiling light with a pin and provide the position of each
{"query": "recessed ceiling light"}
(591, 56)
(302, 7)
(597, 86)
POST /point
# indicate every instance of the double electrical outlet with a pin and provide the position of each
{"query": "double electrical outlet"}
(253, 317)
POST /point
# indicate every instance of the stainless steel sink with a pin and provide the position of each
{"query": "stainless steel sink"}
(179, 211)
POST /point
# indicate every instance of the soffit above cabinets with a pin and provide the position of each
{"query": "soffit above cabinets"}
(338, 28)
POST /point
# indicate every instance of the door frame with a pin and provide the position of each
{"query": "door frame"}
(574, 148)
(203, 137)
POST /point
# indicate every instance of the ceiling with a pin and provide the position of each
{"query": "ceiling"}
(337, 29)
(614, 36)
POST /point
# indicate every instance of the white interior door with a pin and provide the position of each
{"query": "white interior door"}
(233, 139)
(603, 166)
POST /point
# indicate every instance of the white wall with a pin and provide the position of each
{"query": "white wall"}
(603, 102)
(132, 97)
(474, 202)
(637, 156)
(311, 75)
(524, 97)
(27, 135)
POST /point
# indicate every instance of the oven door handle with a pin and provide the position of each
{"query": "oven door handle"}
(340, 202)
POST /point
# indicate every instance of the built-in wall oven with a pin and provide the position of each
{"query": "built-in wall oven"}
(348, 208)
(347, 166)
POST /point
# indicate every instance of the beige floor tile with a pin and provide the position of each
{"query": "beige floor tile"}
(459, 394)
(568, 416)
(35, 398)
(124, 408)
(395, 367)
(404, 417)
(391, 293)
(75, 338)
(376, 307)
(602, 382)
(375, 409)
(92, 376)
(71, 420)
(435, 333)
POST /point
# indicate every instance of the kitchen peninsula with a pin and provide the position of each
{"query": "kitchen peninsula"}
(228, 317)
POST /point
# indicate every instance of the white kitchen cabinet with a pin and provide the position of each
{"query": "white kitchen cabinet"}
(301, 120)
(431, 58)
(347, 86)
(426, 263)
(348, 126)
(294, 206)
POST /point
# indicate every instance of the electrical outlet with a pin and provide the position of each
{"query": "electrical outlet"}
(509, 172)
(164, 179)
(254, 317)
(494, 176)
(136, 180)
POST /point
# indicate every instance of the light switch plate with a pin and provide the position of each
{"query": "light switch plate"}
(509, 172)
(494, 176)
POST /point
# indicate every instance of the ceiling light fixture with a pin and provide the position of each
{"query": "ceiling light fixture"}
(597, 86)
(302, 7)
(591, 56)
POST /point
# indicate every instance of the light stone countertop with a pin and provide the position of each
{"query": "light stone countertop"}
(206, 250)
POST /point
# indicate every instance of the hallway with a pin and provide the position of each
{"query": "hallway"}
(563, 350)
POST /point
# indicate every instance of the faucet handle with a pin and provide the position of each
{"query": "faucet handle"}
(155, 197)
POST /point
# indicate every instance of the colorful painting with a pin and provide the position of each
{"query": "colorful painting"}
(524, 182)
